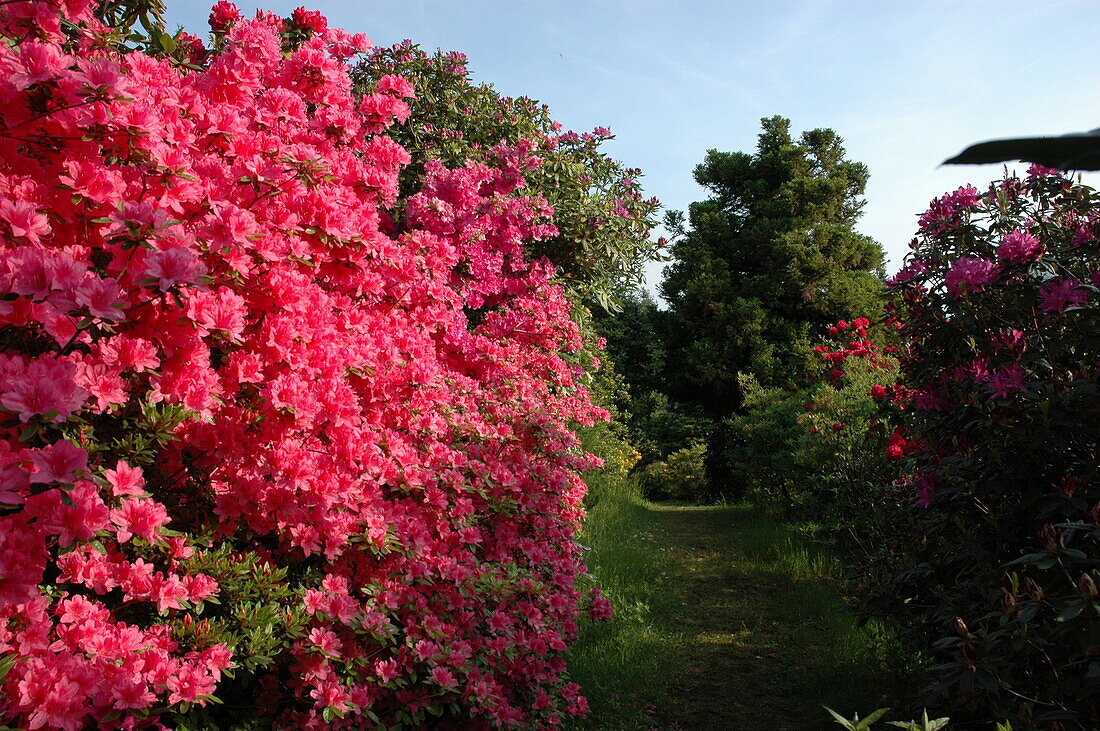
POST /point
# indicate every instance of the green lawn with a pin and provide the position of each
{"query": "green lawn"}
(723, 620)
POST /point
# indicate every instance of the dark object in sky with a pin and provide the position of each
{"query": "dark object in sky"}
(1079, 151)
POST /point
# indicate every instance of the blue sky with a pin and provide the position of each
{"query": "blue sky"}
(905, 83)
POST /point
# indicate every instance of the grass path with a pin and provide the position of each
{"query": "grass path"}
(723, 622)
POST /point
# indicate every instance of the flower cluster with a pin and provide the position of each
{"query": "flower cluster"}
(859, 347)
(258, 440)
(945, 211)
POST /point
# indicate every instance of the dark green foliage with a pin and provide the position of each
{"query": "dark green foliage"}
(659, 426)
(804, 469)
(769, 258)
(636, 335)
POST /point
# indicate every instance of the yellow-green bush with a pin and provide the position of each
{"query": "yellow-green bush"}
(682, 476)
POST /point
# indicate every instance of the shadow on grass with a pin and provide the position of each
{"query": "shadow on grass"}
(724, 620)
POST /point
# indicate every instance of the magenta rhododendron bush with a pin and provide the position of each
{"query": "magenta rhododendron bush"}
(261, 445)
(991, 570)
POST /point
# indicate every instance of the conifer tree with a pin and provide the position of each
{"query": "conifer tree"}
(767, 261)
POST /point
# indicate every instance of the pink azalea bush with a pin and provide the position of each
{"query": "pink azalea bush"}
(260, 444)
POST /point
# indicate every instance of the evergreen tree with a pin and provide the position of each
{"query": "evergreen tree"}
(636, 344)
(636, 339)
(767, 261)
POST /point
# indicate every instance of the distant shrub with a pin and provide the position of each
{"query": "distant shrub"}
(607, 439)
(660, 426)
(681, 476)
(994, 570)
(816, 452)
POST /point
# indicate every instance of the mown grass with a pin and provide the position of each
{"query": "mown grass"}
(723, 619)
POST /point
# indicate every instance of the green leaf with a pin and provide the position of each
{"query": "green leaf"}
(7, 662)
(841, 719)
(1071, 611)
(873, 716)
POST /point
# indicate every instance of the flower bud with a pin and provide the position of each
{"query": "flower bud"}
(1051, 538)
(1087, 586)
(1033, 590)
(960, 627)
(1094, 515)
(1008, 601)
(969, 656)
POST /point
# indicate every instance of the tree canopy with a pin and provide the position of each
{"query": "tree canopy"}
(769, 258)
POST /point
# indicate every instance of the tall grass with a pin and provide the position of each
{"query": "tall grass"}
(626, 664)
(853, 666)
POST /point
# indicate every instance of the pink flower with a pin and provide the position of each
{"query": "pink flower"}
(310, 20)
(945, 211)
(101, 297)
(86, 516)
(386, 670)
(969, 275)
(444, 678)
(218, 658)
(125, 351)
(325, 641)
(189, 684)
(51, 698)
(1059, 294)
(38, 62)
(199, 587)
(315, 601)
(169, 592)
(1013, 342)
(600, 610)
(78, 609)
(1007, 380)
(58, 462)
(24, 220)
(45, 387)
(1039, 171)
(125, 480)
(172, 267)
(223, 15)
(1019, 247)
(912, 270)
(397, 86)
(139, 517)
